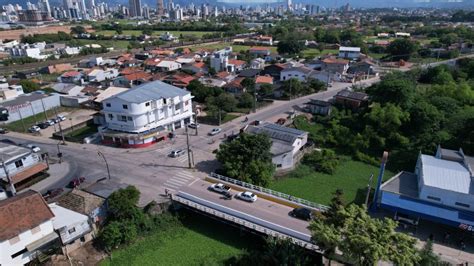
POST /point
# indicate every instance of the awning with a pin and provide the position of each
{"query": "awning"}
(42, 241)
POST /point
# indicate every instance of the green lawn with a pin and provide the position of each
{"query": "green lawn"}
(32, 120)
(201, 241)
(235, 48)
(350, 176)
(120, 44)
(81, 133)
(198, 34)
(312, 52)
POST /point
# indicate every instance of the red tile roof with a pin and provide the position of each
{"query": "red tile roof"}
(236, 62)
(335, 61)
(21, 213)
(138, 75)
(222, 74)
(199, 64)
(259, 48)
(29, 172)
(264, 80)
(152, 61)
(70, 74)
(129, 70)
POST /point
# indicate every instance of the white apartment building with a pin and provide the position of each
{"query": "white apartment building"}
(349, 52)
(98, 75)
(220, 60)
(27, 228)
(143, 115)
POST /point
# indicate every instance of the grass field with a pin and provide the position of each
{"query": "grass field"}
(117, 44)
(312, 52)
(235, 48)
(201, 241)
(198, 34)
(350, 176)
(81, 133)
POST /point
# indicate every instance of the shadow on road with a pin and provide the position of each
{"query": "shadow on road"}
(207, 166)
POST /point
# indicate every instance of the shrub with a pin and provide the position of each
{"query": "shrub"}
(325, 161)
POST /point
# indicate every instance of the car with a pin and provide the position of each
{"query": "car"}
(302, 213)
(214, 131)
(34, 148)
(42, 125)
(193, 125)
(220, 188)
(3, 130)
(52, 193)
(177, 153)
(61, 117)
(50, 122)
(76, 182)
(56, 120)
(247, 196)
(34, 129)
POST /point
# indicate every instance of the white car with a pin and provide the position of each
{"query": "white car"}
(193, 125)
(34, 129)
(34, 148)
(219, 188)
(215, 131)
(247, 196)
(61, 117)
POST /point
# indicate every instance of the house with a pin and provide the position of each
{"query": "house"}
(9, 92)
(249, 73)
(318, 107)
(167, 66)
(180, 80)
(99, 75)
(274, 70)
(85, 203)
(257, 63)
(439, 190)
(212, 82)
(259, 51)
(299, 73)
(225, 76)
(402, 35)
(326, 77)
(263, 40)
(286, 143)
(102, 95)
(335, 65)
(131, 80)
(57, 68)
(351, 99)
(70, 77)
(236, 65)
(90, 62)
(235, 86)
(26, 228)
(220, 60)
(259, 80)
(168, 37)
(365, 68)
(143, 115)
(20, 164)
(198, 67)
(349, 52)
(72, 227)
(151, 63)
(68, 89)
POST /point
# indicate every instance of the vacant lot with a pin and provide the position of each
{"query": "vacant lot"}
(351, 176)
(201, 241)
(16, 34)
(198, 34)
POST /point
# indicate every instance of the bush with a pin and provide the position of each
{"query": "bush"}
(325, 161)
(362, 157)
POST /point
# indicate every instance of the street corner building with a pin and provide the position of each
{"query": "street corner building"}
(440, 190)
(145, 114)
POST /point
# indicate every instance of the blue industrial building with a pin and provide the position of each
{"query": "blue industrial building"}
(441, 190)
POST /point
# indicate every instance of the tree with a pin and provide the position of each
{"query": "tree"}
(401, 49)
(324, 161)
(248, 84)
(29, 86)
(123, 203)
(147, 31)
(246, 100)
(290, 46)
(292, 87)
(364, 240)
(247, 158)
(111, 235)
(78, 30)
(265, 90)
(428, 258)
(395, 88)
(201, 91)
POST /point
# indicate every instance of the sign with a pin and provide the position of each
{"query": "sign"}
(466, 227)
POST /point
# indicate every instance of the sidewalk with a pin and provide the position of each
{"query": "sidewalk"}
(57, 171)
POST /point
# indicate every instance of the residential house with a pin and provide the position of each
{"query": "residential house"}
(68, 89)
(152, 64)
(274, 70)
(167, 66)
(249, 73)
(259, 51)
(57, 68)
(225, 76)
(402, 35)
(143, 115)
(73, 228)
(257, 63)
(90, 62)
(20, 164)
(440, 190)
(263, 40)
(212, 82)
(131, 80)
(9, 92)
(26, 228)
(287, 143)
(351, 99)
(365, 68)
(180, 80)
(220, 60)
(99, 75)
(198, 67)
(299, 73)
(85, 203)
(70, 77)
(237, 65)
(259, 80)
(326, 77)
(318, 107)
(335, 65)
(349, 52)
(168, 37)
(235, 86)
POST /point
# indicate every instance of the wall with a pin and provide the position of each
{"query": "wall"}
(27, 110)
(28, 161)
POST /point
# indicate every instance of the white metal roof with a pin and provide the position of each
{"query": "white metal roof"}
(349, 49)
(444, 174)
(65, 217)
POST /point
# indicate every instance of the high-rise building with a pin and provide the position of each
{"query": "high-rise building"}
(146, 12)
(289, 4)
(135, 8)
(160, 8)
(44, 6)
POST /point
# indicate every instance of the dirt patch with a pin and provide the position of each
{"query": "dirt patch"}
(86, 255)
(16, 34)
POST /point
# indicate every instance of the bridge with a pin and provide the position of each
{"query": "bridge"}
(268, 215)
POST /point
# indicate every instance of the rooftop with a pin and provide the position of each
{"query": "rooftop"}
(404, 183)
(64, 217)
(352, 95)
(349, 49)
(21, 213)
(277, 132)
(444, 174)
(154, 90)
(80, 201)
(24, 99)
(11, 152)
(305, 70)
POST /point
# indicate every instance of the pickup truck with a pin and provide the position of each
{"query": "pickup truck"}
(220, 188)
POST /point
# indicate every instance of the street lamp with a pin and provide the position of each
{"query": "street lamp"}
(105, 160)
(60, 154)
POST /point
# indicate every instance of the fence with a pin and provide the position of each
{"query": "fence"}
(182, 198)
(290, 198)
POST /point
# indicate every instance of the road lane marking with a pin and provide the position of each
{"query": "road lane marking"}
(177, 181)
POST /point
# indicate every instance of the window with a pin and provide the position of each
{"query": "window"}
(124, 106)
(278, 165)
(433, 198)
(129, 118)
(176, 107)
(147, 104)
(107, 104)
(123, 118)
(14, 240)
(462, 204)
(164, 101)
(19, 163)
(111, 116)
(72, 230)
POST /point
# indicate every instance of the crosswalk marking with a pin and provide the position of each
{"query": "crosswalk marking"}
(177, 181)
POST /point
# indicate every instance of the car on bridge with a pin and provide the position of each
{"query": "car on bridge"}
(220, 188)
(302, 213)
(247, 196)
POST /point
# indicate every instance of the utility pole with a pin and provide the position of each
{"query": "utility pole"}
(21, 118)
(368, 190)
(7, 174)
(196, 121)
(106, 164)
(60, 128)
(188, 149)
(33, 112)
(219, 116)
(60, 154)
(44, 110)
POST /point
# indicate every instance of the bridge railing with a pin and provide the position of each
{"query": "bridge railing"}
(243, 222)
(274, 193)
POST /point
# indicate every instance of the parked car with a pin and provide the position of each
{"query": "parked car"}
(3, 130)
(193, 125)
(50, 122)
(61, 117)
(76, 182)
(52, 193)
(281, 121)
(302, 213)
(34, 129)
(42, 125)
(177, 153)
(34, 148)
(214, 131)
(220, 188)
(247, 196)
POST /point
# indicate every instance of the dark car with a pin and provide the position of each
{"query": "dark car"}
(43, 125)
(76, 182)
(4, 131)
(52, 193)
(302, 213)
